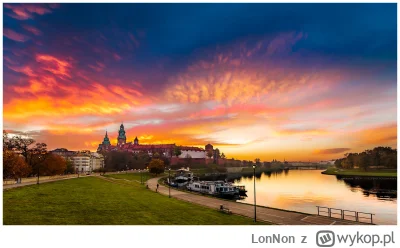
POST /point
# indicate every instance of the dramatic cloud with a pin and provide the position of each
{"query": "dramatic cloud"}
(284, 91)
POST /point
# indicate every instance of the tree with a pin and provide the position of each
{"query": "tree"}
(36, 157)
(257, 160)
(209, 153)
(363, 160)
(53, 165)
(338, 163)
(177, 151)
(22, 145)
(69, 168)
(7, 142)
(14, 166)
(223, 156)
(156, 166)
(156, 155)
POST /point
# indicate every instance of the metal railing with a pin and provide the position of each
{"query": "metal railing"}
(343, 213)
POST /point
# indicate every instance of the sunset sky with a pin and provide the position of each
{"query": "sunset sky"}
(273, 81)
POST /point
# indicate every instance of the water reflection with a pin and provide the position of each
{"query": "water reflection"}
(383, 188)
(303, 190)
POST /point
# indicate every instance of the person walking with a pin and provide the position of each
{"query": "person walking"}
(157, 187)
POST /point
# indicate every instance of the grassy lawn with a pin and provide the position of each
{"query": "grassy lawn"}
(132, 176)
(93, 201)
(358, 172)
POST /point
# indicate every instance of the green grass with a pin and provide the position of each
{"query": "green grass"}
(358, 172)
(94, 201)
(132, 176)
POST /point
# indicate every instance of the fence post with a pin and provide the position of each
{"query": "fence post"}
(342, 214)
(329, 212)
(371, 219)
(318, 209)
(357, 216)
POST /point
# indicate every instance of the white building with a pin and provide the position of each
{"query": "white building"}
(81, 163)
(96, 161)
(193, 153)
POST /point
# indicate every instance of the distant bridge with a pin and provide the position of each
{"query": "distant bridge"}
(306, 167)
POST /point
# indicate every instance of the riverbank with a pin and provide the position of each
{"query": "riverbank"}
(360, 173)
(105, 201)
(266, 214)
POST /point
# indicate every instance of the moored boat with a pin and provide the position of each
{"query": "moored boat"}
(215, 188)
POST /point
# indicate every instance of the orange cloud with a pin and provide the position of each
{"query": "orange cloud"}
(231, 77)
(380, 135)
(54, 65)
(332, 151)
(23, 69)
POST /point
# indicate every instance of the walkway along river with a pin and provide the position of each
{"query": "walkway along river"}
(303, 190)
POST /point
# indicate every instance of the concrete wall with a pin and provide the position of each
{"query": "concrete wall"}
(193, 154)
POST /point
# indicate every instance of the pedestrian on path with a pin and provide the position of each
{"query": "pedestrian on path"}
(157, 188)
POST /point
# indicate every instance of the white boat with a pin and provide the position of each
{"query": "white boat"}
(216, 188)
(183, 177)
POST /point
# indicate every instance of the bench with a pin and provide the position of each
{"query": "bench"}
(224, 209)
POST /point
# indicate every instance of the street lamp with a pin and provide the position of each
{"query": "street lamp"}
(254, 175)
(38, 171)
(169, 182)
(141, 181)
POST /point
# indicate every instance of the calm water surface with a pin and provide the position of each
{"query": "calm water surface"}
(303, 190)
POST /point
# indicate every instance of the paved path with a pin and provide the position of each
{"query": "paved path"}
(31, 182)
(11, 186)
(263, 214)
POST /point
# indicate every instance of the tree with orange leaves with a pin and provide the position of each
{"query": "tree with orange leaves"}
(14, 166)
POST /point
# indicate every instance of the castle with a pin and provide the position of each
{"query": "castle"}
(166, 150)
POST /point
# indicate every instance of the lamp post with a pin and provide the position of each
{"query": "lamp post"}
(169, 182)
(141, 181)
(38, 171)
(254, 175)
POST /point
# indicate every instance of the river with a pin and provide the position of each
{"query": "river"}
(303, 190)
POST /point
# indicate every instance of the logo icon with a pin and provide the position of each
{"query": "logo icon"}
(325, 238)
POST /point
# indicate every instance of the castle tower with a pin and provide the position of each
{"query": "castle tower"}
(121, 135)
(106, 140)
(136, 141)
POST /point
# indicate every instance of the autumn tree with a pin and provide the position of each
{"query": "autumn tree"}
(156, 166)
(23, 145)
(223, 155)
(53, 165)
(14, 166)
(36, 157)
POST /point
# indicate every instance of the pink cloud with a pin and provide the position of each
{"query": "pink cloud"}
(54, 65)
(12, 35)
(32, 29)
(27, 11)
(23, 69)
(117, 57)
(97, 67)
(134, 40)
